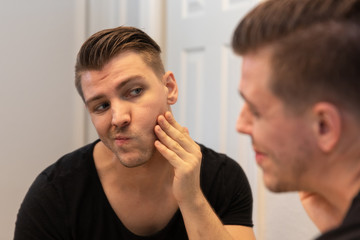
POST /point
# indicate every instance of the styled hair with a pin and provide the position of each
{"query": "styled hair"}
(315, 49)
(100, 48)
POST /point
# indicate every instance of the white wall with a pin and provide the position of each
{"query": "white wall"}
(40, 112)
(42, 117)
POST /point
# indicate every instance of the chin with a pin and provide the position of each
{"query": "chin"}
(276, 185)
(132, 164)
(134, 159)
(131, 161)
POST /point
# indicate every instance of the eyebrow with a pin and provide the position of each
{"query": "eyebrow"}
(242, 95)
(251, 105)
(118, 87)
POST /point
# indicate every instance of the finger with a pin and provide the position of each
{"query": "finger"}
(186, 130)
(187, 152)
(171, 120)
(178, 133)
(169, 142)
(175, 131)
(176, 141)
(172, 157)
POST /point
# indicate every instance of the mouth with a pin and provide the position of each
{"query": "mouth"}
(259, 156)
(122, 140)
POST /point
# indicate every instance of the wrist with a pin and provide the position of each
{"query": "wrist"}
(194, 203)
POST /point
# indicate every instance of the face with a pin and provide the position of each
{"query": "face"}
(281, 140)
(124, 100)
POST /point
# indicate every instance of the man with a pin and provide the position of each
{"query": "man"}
(300, 84)
(145, 178)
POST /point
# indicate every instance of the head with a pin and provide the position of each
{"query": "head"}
(120, 76)
(305, 54)
(105, 45)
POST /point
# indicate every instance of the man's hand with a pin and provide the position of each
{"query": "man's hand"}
(176, 145)
(201, 222)
(324, 215)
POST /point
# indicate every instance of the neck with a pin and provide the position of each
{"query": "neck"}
(339, 182)
(337, 172)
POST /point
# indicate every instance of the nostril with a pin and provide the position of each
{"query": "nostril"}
(120, 120)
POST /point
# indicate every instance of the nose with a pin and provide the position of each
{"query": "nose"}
(244, 122)
(120, 115)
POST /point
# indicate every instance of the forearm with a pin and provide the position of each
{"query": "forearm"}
(201, 222)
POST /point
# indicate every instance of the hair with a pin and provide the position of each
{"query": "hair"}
(315, 49)
(107, 44)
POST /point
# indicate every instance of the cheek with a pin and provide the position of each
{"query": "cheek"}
(271, 137)
(155, 105)
(147, 115)
(263, 132)
(100, 123)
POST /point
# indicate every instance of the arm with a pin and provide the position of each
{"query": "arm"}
(184, 155)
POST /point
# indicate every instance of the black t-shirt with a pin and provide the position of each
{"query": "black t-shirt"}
(350, 227)
(67, 201)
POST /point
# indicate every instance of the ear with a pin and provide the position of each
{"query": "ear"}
(172, 89)
(327, 125)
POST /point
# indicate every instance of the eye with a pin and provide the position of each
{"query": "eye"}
(101, 107)
(255, 113)
(135, 92)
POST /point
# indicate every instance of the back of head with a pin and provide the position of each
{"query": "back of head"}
(315, 49)
(105, 45)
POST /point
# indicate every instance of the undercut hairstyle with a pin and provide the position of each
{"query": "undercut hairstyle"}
(103, 46)
(315, 50)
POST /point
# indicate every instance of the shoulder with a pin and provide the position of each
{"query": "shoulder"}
(214, 163)
(226, 187)
(215, 158)
(219, 170)
(45, 206)
(79, 159)
(350, 227)
(63, 172)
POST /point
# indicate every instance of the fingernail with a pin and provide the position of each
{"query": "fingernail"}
(168, 115)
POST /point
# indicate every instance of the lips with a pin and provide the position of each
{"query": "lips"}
(121, 140)
(259, 156)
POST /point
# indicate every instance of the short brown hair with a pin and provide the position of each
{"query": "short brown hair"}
(315, 49)
(104, 45)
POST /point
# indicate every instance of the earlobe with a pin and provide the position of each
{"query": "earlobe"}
(172, 89)
(327, 126)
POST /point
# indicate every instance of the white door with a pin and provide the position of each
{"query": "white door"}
(199, 53)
